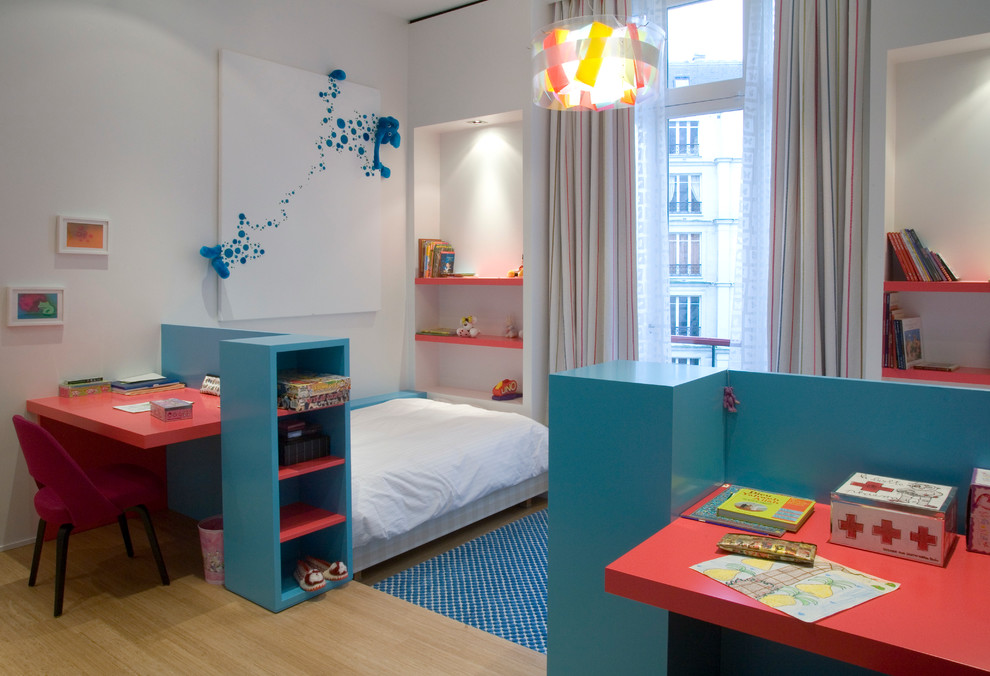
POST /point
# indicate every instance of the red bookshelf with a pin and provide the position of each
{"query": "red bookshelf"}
(471, 281)
(964, 375)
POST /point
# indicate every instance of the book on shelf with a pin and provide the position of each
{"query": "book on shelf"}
(436, 258)
(157, 387)
(935, 366)
(769, 509)
(909, 259)
(706, 511)
(907, 337)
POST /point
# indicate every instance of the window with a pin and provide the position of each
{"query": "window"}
(703, 101)
(693, 361)
(682, 137)
(685, 254)
(685, 315)
(685, 193)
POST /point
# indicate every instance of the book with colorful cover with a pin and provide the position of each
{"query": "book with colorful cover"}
(706, 511)
(764, 507)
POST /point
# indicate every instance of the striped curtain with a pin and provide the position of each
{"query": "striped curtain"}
(817, 225)
(592, 224)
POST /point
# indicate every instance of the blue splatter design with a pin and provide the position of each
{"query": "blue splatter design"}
(345, 134)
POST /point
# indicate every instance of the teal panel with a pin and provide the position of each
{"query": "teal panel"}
(190, 352)
(194, 478)
(612, 438)
(807, 434)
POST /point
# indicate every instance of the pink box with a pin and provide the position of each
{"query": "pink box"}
(82, 390)
(907, 519)
(171, 409)
(978, 512)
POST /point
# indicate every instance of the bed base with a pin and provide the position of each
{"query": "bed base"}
(381, 550)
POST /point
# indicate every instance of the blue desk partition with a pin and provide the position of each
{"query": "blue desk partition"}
(194, 473)
(632, 444)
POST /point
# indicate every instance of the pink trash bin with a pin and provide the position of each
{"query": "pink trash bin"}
(211, 542)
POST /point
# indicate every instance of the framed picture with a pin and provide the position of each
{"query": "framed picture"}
(83, 235)
(35, 306)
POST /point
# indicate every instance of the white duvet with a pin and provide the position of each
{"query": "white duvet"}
(416, 459)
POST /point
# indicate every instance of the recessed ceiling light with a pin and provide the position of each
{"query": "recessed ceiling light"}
(477, 121)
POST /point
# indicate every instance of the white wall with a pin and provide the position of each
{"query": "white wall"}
(484, 70)
(912, 42)
(109, 109)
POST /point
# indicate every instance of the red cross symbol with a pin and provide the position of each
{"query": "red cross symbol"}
(872, 487)
(850, 525)
(922, 537)
(887, 532)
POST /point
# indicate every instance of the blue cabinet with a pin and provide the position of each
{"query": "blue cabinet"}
(274, 516)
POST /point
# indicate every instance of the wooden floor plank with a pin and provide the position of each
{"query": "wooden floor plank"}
(119, 619)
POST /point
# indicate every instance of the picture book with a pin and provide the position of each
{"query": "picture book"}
(706, 511)
(911, 331)
(763, 507)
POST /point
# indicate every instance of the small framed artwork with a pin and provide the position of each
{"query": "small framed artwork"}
(83, 235)
(35, 306)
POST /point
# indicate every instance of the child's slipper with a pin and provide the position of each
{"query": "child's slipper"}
(309, 577)
(331, 571)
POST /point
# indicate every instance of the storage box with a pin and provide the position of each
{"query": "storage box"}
(171, 409)
(66, 390)
(908, 519)
(978, 512)
(302, 391)
(292, 451)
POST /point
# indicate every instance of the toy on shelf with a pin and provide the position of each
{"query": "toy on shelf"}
(518, 272)
(510, 328)
(466, 329)
(505, 390)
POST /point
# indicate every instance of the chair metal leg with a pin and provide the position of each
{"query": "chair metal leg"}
(153, 541)
(126, 533)
(39, 541)
(61, 554)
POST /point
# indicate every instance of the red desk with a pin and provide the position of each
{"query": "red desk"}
(933, 624)
(96, 413)
(96, 433)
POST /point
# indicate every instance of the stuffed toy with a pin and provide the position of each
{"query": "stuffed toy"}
(510, 328)
(466, 329)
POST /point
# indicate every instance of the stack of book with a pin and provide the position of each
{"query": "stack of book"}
(912, 261)
(902, 340)
(299, 441)
(768, 509)
(436, 258)
(145, 384)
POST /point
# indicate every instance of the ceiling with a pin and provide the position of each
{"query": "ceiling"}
(416, 9)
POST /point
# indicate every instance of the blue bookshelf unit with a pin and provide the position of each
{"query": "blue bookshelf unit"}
(275, 516)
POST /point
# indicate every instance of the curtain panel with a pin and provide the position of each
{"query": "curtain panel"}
(817, 224)
(592, 226)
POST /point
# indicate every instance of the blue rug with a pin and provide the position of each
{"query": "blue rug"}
(496, 582)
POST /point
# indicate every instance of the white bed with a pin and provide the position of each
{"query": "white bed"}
(422, 468)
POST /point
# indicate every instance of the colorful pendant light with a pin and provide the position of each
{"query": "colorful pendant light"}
(597, 63)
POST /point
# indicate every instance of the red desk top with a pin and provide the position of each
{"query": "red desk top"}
(932, 624)
(96, 413)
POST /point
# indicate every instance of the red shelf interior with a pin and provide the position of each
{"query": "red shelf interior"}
(300, 468)
(471, 281)
(939, 287)
(299, 519)
(964, 374)
(480, 341)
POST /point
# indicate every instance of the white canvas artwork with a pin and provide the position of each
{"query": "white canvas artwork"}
(299, 194)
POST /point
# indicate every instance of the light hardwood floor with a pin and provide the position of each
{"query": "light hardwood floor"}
(119, 619)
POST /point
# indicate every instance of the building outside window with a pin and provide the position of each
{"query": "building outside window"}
(682, 137)
(685, 254)
(704, 120)
(685, 193)
(685, 315)
(693, 361)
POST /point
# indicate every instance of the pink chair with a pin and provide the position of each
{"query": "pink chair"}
(78, 499)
